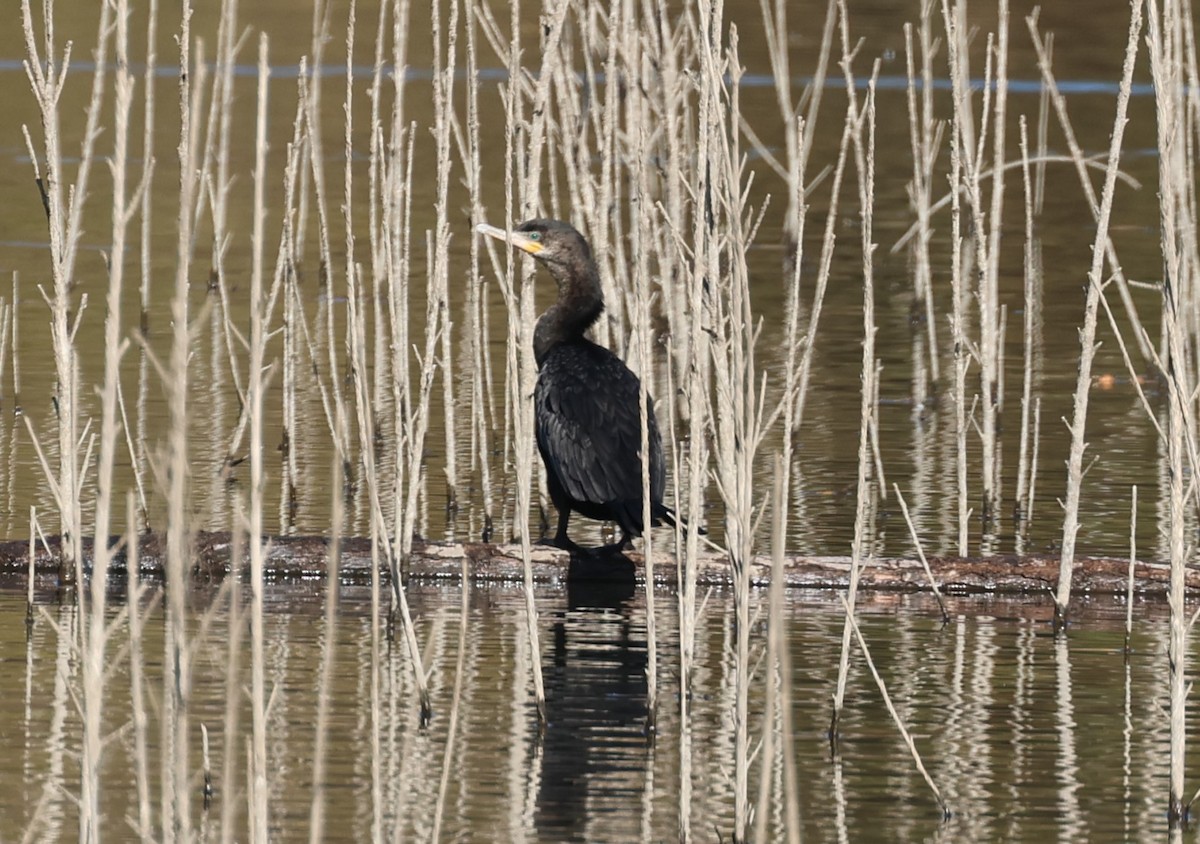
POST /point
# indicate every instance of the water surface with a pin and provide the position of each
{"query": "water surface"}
(1030, 737)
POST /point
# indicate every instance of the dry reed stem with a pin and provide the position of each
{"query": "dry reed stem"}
(1133, 498)
(175, 771)
(1039, 193)
(991, 338)
(395, 245)
(78, 192)
(778, 680)
(131, 448)
(375, 693)
(410, 420)
(693, 351)
(864, 123)
(93, 629)
(376, 164)
(1087, 339)
(1127, 733)
(739, 416)
(285, 271)
(958, 293)
(30, 579)
(380, 541)
(925, 137)
(291, 286)
(44, 461)
(969, 160)
(778, 662)
(673, 105)
(1033, 461)
(314, 61)
(1032, 314)
(65, 221)
(912, 532)
(148, 131)
(139, 431)
(316, 156)
(793, 358)
(214, 149)
(887, 700)
(347, 170)
(535, 149)
(1136, 378)
(316, 820)
(231, 742)
(520, 366)
(6, 321)
(798, 146)
(685, 590)
(791, 783)
(824, 268)
(396, 262)
(14, 430)
(46, 79)
(639, 299)
(1177, 222)
(1092, 162)
(437, 320)
(137, 688)
(481, 403)
(259, 783)
(880, 485)
(1043, 49)
(642, 334)
(216, 157)
(390, 246)
(352, 267)
(456, 704)
(15, 342)
(588, 197)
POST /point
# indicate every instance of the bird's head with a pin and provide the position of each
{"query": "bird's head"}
(556, 244)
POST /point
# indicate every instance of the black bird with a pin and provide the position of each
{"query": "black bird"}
(587, 402)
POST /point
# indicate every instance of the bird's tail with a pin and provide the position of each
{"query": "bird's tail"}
(665, 515)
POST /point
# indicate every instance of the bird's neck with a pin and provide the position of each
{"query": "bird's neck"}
(580, 303)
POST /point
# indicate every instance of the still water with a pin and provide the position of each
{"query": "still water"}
(1030, 737)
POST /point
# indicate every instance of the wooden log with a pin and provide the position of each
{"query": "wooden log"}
(304, 557)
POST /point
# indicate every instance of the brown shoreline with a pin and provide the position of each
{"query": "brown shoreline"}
(304, 557)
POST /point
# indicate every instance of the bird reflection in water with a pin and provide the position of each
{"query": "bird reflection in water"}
(594, 752)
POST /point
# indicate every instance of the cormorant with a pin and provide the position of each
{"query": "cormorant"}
(587, 402)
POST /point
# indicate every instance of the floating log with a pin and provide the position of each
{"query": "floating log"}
(305, 557)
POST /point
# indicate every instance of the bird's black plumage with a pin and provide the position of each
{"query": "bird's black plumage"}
(587, 401)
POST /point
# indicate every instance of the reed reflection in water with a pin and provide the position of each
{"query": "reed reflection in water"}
(1032, 737)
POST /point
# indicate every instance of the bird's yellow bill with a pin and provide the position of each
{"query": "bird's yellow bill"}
(521, 241)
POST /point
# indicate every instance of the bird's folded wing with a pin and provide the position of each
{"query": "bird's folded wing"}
(590, 440)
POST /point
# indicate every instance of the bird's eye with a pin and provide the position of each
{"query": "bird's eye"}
(535, 235)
